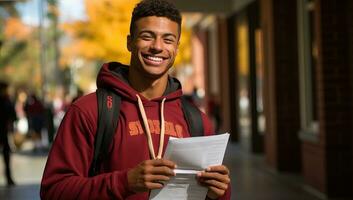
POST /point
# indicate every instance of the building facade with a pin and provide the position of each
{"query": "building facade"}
(283, 72)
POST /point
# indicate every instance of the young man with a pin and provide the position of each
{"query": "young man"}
(150, 112)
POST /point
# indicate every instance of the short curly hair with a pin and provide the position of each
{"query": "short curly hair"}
(159, 8)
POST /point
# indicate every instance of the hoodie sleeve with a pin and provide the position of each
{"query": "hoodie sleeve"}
(66, 172)
(210, 131)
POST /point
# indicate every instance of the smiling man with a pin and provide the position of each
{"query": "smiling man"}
(150, 112)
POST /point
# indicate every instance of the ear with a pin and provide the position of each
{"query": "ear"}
(129, 43)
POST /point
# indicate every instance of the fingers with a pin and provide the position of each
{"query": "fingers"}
(215, 193)
(159, 167)
(154, 181)
(224, 178)
(160, 170)
(155, 178)
(214, 183)
(216, 178)
(153, 185)
(150, 174)
(219, 168)
(219, 173)
(162, 162)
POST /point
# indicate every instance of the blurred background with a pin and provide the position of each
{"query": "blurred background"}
(277, 75)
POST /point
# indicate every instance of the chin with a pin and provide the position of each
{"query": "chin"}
(155, 73)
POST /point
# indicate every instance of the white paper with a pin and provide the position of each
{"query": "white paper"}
(191, 155)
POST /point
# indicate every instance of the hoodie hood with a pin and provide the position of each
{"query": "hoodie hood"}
(114, 76)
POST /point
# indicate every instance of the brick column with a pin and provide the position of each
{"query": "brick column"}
(350, 16)
(232, 75)
(282, 146)
(224, 76)
(335, 100)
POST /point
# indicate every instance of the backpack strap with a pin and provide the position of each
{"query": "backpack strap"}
(108, 114)
(193, 118)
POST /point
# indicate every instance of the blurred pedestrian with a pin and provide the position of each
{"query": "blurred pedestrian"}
(35, 113)
(21, 124)
(49, 121)
(214, 110)
(78, 95)
(59, 107)
(7, 117)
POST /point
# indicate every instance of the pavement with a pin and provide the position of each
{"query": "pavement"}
(251, 178)
(27, 170)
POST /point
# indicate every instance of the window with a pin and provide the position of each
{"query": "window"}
(307, 65)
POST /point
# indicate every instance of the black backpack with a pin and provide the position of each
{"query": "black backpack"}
(108, 114)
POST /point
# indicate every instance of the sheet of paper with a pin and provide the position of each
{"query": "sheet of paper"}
(181, 187)
(197, 152)
(191, 156)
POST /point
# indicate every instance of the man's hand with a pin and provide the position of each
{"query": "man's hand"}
(150, 174)
(216, 178)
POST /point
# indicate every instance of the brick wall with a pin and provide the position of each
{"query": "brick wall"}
(327, 163)
(335, 95)
(314, 169)
(287, 84)
(350, 55)
(282, 143)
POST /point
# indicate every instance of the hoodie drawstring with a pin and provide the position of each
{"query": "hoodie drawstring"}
(148, 132)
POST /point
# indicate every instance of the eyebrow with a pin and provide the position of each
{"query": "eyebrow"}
(154, 33)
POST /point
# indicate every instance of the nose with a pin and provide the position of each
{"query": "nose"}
(157, 45)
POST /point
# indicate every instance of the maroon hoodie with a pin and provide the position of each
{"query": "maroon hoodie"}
(66, 172)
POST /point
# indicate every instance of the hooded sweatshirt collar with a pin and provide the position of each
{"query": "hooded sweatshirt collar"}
(114, 75)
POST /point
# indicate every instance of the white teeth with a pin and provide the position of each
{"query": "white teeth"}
(156, 59)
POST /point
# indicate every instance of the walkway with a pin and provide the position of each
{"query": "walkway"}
(251, 179)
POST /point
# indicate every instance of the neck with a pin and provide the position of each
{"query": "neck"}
(150, 88)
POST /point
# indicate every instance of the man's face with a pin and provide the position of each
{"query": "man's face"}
(153, 45)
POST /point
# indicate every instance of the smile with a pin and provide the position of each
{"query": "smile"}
(153, 60)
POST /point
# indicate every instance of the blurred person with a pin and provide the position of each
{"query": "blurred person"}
(49, 120)
(79, 94)
(7, 117)
(195, 98)
(214, 110)
(21, 124)
(59, 107)
(131, 168)
(34, 109)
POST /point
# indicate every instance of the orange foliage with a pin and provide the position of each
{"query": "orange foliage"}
(15, 29)
(184, 52)
(103, 35)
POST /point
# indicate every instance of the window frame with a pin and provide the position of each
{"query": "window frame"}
(309, 125)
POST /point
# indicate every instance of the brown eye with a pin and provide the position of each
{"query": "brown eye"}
(169, 40)
(146, 37)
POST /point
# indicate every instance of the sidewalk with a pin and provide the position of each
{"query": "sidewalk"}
(27, 169)
(251, 179)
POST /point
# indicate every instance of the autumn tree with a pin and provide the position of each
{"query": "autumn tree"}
(23, 46)
(19, 52)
